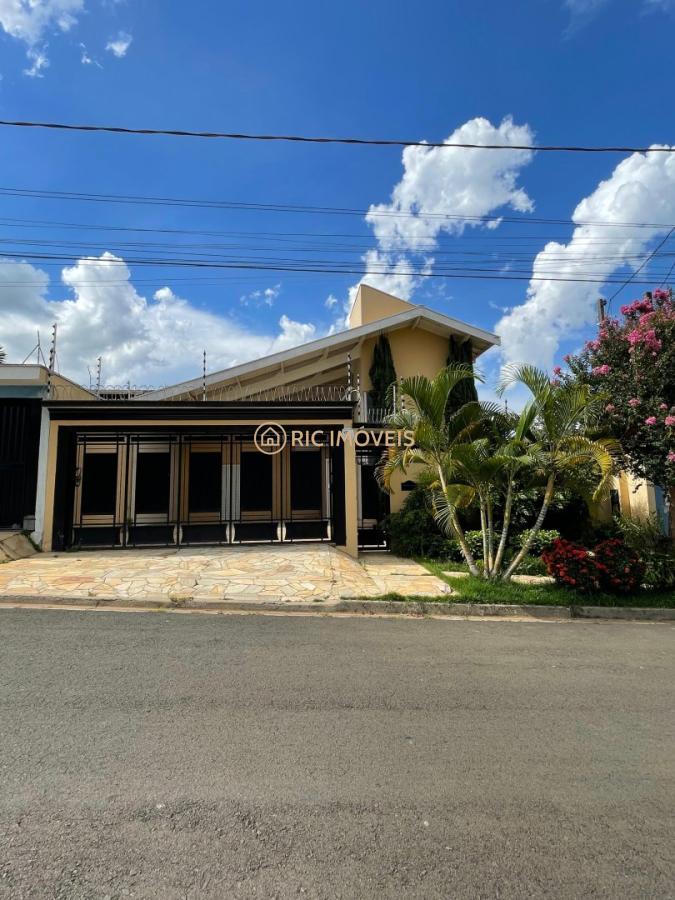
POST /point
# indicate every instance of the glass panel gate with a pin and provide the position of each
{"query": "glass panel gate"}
(136, 490)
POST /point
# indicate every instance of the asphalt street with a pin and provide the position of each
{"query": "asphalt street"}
(160, 755)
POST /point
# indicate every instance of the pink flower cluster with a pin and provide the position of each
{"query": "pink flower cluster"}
(602, 370)
(650, 420)
(637, 307)
(671, 456)
(647, 338)
(670, 421)
(634, 402)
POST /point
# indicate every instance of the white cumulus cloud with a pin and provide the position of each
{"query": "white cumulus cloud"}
(29, 20)
(640, 189)
(444, 190)
(145, 341)
(118, 46)
(261, 297)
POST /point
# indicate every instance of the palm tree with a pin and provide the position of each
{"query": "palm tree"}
(3, 355)
(423, 412)
(479, 454)
(558, 430)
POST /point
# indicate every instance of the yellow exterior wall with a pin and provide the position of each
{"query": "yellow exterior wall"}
(415, 352)
(371, 304)
(636, 497)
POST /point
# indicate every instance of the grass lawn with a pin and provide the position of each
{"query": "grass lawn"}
(475, 590)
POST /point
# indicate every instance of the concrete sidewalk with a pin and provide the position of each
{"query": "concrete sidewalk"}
(294, 573)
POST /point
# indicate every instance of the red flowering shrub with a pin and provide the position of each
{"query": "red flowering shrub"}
(612, 566)
(572, 565)
(620, 568)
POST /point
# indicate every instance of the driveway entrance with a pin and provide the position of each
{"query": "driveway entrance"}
(291, 573)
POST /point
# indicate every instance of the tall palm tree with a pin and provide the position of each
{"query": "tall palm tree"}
(423, 412)
(558, 427)
(479, 454)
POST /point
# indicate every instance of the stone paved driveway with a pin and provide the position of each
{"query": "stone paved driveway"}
(292, 573)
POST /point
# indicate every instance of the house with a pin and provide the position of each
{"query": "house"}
(23, 419)
(279, 449)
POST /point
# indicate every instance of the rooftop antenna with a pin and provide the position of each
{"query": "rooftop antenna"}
(99, 367)
(204, 378)
(349, 375)
(39, 355)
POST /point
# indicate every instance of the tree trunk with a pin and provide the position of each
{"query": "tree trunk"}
(520, 556)
(491, 537)
(466, 552)
(484, 535)
(506, 522)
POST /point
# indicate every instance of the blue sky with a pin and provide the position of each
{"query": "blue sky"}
(586, 72)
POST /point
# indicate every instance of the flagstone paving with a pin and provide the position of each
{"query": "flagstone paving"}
(292, 573)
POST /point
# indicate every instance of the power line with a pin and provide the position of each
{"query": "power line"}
(640, 268)
(307, 139)
(306, 209)
(332, 268)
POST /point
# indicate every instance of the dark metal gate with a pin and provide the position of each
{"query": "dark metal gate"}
(174, 489)
(19, 445)
(373, 502)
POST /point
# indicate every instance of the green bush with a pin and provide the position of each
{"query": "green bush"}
(532, 565)
(413, 531)
(475, 541)
(542, 540)
(653, 547)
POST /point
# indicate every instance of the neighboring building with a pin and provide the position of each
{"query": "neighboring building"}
(179, 466)
(23, 390)
(637, 498)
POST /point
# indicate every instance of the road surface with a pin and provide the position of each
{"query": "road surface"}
(160, 755)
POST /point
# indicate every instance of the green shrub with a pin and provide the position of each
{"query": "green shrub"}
(413, 530)
(532, 565)
(542, 540)
(475, 541)
(653, 547)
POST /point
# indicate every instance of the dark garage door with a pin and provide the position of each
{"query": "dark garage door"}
(19, 442)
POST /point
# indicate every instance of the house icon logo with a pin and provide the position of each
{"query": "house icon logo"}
(270, 438)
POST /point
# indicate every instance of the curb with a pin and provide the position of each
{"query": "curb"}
(364, 607)
(635, 613)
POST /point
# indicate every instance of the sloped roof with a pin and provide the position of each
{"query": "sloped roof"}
(333, 345)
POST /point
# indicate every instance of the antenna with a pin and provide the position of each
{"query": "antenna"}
(99, 367)
(204, 378)
(37, 349)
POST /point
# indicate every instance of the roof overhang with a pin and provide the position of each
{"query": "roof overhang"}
(333, 347)
(146, 411)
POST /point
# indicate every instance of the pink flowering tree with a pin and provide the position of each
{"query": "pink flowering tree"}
(632, 364)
